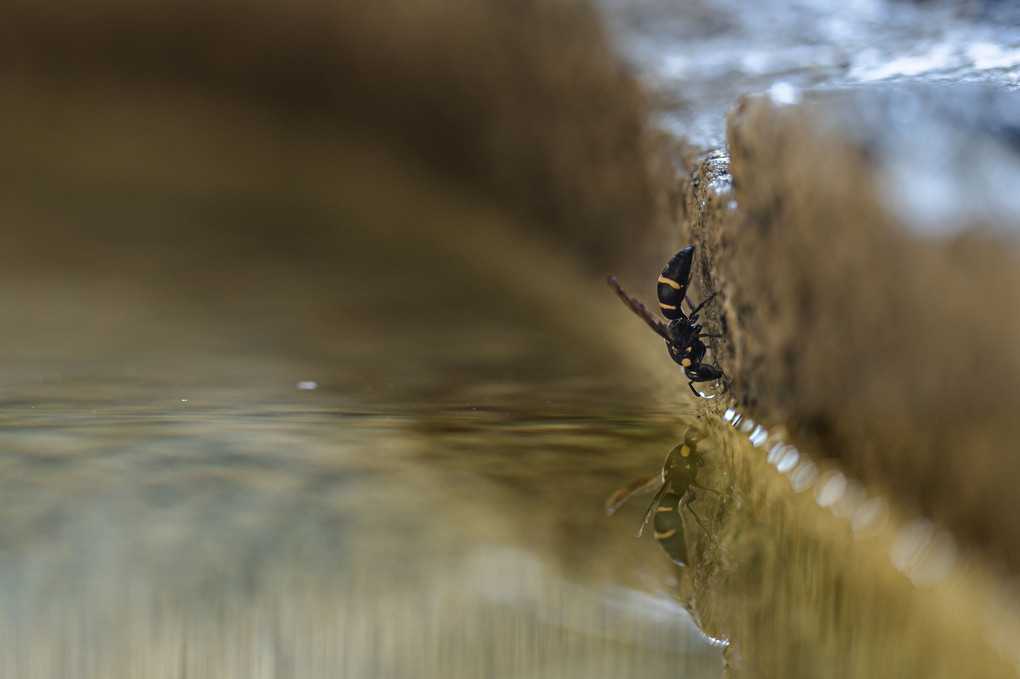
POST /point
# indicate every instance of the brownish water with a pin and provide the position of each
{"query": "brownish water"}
(278, 401)
(281, 404)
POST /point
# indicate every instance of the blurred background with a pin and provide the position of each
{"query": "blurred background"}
(308, 364)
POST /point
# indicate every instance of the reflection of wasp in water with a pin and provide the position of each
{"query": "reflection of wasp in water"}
(675, 493)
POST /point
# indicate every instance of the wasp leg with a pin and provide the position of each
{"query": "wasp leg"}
(696, 517)
(698, 393)
(696, 309)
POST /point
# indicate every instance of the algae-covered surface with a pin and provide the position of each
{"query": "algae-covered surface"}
(810, 573)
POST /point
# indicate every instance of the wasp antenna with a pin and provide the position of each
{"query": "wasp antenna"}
(638, 308)
(645, 484)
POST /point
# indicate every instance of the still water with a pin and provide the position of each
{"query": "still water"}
(279, 406)
(304, 538)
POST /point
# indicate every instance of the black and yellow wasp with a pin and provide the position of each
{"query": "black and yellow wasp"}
(676, 483)
(683, 334)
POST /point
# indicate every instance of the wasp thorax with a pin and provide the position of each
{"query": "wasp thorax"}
(681, 462)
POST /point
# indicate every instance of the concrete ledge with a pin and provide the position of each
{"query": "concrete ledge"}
(867, 258)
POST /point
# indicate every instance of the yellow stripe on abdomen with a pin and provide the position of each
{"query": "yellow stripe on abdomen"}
(670, 283)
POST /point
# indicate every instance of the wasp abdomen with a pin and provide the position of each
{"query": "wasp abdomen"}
(669, 528)
(673, 282)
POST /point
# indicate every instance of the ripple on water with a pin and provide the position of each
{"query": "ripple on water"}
(323, 532)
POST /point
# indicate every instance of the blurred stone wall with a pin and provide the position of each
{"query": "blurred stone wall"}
(523, 101)
(865, 245)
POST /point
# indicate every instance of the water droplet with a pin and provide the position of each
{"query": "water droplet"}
(758, 436)
(830, 488)
(870, 518)
(776, 453)
(909, 544)
(850, 501)
(788, 459)
(803, 476)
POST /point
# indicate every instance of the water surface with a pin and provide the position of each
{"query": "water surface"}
(301, 409)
